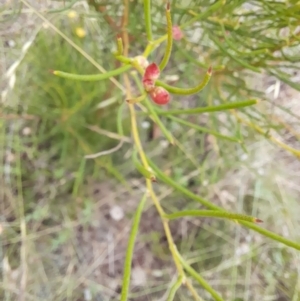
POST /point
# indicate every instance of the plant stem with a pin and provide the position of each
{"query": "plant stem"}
(174, 288)
(160, 210)
(168, 50)
(124, 26)
(92, 77)
(222, 107)
(130, 249)
(145, 172)
(213, 213)
(188, 91)
(155, 200)
(120, 49)
(147, 15)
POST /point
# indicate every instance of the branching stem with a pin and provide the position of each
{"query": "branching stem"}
(168, 50)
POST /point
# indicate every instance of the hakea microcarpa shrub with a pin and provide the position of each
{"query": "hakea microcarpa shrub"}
(160, 92)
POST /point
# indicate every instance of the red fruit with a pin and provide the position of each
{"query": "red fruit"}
(177, 33)
(148, 84)
(160, 95)
(152, 72)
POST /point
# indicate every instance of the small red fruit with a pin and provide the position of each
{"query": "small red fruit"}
(160, 95)
(152, 72)
(148, 84)
(177, 33)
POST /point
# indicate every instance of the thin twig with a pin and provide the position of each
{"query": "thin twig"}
(106, 152)
(109, 134)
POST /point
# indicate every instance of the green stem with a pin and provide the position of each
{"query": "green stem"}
(152, 112)
(137, 99)
(147, 14)
(160, 175)
(130, 249)
(120, 46)
(199, 279)
(168, 51)
(174, 288)
(222, 107)
(213, 213)
(180, 188)
(124, 59)
(91, 77)
(271, 235)
(187, 91)
(120, 120)
(141, 169)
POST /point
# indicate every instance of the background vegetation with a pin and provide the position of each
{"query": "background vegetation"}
(65, 220)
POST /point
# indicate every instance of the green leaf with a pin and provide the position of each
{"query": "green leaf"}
(187, 91)
(176, 285)
(222, 107)
(213, 213)
(91, 77)
(130, 249)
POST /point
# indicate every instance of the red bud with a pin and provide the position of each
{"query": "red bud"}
(177, 33)
(160, 95)
(152, 72)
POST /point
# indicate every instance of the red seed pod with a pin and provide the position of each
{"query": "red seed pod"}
(177, 33)
(148, 84)
(160, 95)
(152, 72)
